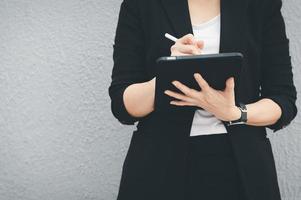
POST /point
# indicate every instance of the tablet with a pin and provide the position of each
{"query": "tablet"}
(215, 69)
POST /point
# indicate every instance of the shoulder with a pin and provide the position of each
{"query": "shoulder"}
(269, 6)
(264, 5)
(141, 7)
(263, 11)
(140, 3)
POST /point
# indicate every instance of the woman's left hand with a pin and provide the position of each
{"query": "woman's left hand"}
(220, 103)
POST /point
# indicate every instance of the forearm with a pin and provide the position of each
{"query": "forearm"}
(263, 112)
(139, 98)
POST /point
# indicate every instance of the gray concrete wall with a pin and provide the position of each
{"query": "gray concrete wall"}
(58, 139)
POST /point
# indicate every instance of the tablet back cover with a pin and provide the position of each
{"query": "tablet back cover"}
(215, 69)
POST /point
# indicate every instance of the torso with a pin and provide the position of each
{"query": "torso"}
(160, 142)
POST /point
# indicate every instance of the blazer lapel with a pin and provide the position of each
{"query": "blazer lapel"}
(233, 13)
(232, 21)
(178, 15)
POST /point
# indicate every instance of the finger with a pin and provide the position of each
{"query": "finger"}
(177, 53)
(174, 49)
(230, 86)
(200, 44)
(182, 103)
(178, 96)
(187, 39)
(187, 49)
(201, 81)
(186, 90)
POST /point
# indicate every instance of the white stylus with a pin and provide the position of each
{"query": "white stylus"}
(172, 38)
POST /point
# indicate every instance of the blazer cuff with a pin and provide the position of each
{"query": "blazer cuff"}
(287, 112)
(119, 110)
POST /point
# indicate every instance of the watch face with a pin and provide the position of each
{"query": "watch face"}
(243, 110)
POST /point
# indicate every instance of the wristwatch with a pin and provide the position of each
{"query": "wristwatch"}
(243, 117)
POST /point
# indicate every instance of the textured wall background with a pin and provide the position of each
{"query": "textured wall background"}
(58, 139)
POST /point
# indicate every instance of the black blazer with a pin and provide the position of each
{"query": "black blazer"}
(154, 167)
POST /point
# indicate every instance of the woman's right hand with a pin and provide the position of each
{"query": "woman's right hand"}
(187, 45)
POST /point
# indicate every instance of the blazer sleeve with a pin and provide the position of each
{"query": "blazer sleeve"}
(277, 77)
(128, 57)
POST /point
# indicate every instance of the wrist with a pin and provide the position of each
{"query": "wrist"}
(152, 83)
(152, 88)
(243, 115)
(234, 113)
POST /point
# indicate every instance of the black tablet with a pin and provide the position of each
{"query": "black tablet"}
(215, 69)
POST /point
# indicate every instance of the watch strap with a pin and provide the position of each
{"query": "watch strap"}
(243, 118)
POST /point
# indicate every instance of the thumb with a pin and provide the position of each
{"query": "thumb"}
(187, 39)
(230, 86)
(200, 44)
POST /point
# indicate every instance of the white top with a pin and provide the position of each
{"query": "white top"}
(205, 123)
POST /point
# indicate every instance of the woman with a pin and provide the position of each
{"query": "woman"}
(199, 155)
